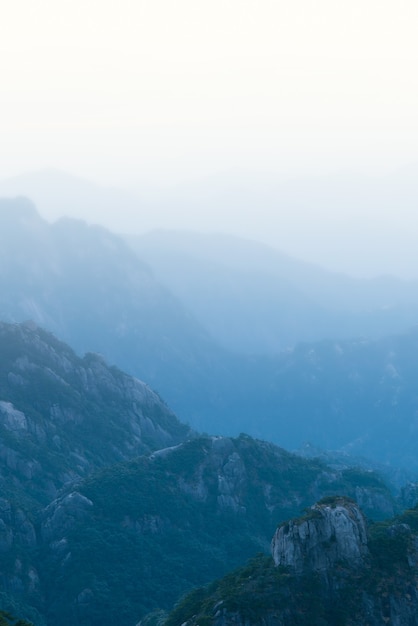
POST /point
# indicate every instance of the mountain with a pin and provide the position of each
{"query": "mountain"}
(84, 284)
(327, 569)
(61, 416)
(357, 396)
(360, 225)
(58, 194)
(134, 537)
(254, 299)
(92, 533)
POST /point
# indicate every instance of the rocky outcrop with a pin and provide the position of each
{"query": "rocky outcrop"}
(61, 515)
(328, 568)
(331, 531)
(62, 417)
(236, 469)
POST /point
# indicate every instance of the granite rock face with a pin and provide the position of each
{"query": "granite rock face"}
(328, 568)
(76, 414)
(330, 532)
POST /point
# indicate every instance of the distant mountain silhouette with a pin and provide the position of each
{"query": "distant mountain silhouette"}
(58, 194)
(362, 225)
(254, 299)
(90, 288)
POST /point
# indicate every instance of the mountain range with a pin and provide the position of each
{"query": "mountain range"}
(111, 508)
(100, 521)
(88, 287)
(254, 299)
(360, 225)
(85, 284)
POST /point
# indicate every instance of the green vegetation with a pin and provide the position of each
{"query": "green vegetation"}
(390, 541)
(261, 593)
(79, 414)
(158, 525)
(161, 525)
(258, 589)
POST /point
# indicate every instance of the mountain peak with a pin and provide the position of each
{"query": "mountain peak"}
(332, 530)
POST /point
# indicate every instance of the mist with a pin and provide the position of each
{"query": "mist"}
(364, 226)
(294, 125)
(208, 312)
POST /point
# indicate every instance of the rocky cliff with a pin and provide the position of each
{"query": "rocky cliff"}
(329, 533)
(328, 569)
(62, 416)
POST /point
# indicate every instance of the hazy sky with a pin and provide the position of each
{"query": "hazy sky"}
(165, 92)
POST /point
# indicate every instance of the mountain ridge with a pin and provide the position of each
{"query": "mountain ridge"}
(92, 532)
(71, 414)
(232, 285)
(88, 287)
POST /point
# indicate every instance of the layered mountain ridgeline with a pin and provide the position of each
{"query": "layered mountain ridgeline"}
(58, 193)
(134, 537)
(254, 299)
(356, 396)
(62, 416)
(327, 569)
(86, 285)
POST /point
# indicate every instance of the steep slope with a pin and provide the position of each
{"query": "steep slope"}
(134, 537)
(254, 299)
(327, 569)
(62, 416)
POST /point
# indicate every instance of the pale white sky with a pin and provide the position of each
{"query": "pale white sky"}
(243, 95)
(171, 90)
